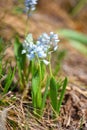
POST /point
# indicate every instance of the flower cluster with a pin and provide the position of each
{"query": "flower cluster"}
(49, 41)
(30, 5)
(44, 45)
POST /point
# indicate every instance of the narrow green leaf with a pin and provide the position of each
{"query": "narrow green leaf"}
(60, 55)
(53, 93)
(57, 68)
(58, 86)
(39, 98)
(73, 35)
(9, 80)
(21, 58)
(21, 62)
(1, 44)
(35, 85)
(33, 67)
(79, 46)
(17, 45)
(45, 93)
(79, 6)
(17, 10)
(43, 69)
(62, 95)
(1, 69)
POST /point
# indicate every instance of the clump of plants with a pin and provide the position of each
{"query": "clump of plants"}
(34, 69)
(34, 66)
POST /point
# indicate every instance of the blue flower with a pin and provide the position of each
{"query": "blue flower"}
(28, 44)
(33, 50)
(30, 5)
(54, 40)
(44, 46)
(49, 42)
(39, 51)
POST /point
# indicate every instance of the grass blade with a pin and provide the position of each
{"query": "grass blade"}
(53, 93)
(9, 80)
(73, 35)
(62, 95)
(45, 93)
(35, 85)
(79, 46)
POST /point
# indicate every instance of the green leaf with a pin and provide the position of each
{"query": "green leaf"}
(21, 58)
(79, 6)
(33, 67)
(45, 93)
(17, 10)
(79, 46)
(39, 99)
(53, 93)
(60, 55)
(1, 69)
(35, 85)
(73, 35)
(21, 62)
(1, 44)
(9, 80)
(59, 85)
(43, 69)
(62, 95)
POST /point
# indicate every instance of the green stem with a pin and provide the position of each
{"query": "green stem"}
(39, 69)
(26, 29)
(29, 70)
(78, 7)
(62, 95)
(50, 68)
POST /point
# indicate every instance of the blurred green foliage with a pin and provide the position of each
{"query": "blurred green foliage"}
(76, 39)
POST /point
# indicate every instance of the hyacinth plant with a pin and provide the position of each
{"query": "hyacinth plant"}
(35, 71)
(33, 59)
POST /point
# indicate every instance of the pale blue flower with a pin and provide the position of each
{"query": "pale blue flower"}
(44, 46)
(44, 39)
(30, 5)
(54, 40)
(48, 41)
(33, 50)
(31, 55)
(40, 52)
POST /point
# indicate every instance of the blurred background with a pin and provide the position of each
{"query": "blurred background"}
(49, 15)
(68, 18)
